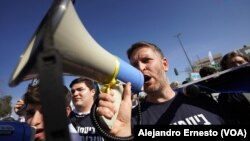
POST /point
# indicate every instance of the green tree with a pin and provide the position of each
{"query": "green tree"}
(5, 106)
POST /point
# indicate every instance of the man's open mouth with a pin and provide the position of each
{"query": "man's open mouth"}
(146, 78)
(39, 130)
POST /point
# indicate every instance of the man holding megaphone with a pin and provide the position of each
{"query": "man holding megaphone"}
(61, 44)
(162, 105)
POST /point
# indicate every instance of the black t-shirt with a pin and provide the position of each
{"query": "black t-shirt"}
(235, 107)
(84, 127)
(181, 110)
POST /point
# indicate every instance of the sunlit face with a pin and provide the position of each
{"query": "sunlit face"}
(34, 118)
(82, 95)
(237, 61)
(153, 67)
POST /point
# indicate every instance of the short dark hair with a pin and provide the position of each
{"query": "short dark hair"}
(32, 95)
(206, 70)
(142, 44)
(88, 82)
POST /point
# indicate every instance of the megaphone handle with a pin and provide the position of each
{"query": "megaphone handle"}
(117, 90)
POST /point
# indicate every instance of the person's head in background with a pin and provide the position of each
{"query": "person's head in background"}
(233, 59)
(174, 85)
(83, 91)
(34, 115)
(206, 71)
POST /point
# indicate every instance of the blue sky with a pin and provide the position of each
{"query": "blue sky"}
(218, 26)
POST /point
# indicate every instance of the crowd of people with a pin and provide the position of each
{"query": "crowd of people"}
(236, 106)
(81, 95)
(161, 106)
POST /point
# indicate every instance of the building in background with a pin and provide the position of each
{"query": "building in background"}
(244, 51)
(213, 60)
(206, 62)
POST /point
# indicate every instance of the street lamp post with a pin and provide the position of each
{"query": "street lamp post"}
(178, 37)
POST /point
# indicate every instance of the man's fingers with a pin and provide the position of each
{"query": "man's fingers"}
(106, 112)
(106, 97)
(127, 92)
(107, 104)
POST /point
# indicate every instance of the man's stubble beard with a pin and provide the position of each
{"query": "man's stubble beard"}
(157, 87)
(153, 90)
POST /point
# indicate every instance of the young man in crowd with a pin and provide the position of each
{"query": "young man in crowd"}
(34, 116)
(83, 92)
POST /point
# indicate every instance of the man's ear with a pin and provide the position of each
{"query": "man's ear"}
(165, 64)
(93, 92)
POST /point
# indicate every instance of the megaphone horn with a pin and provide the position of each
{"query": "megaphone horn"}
(81, 54)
